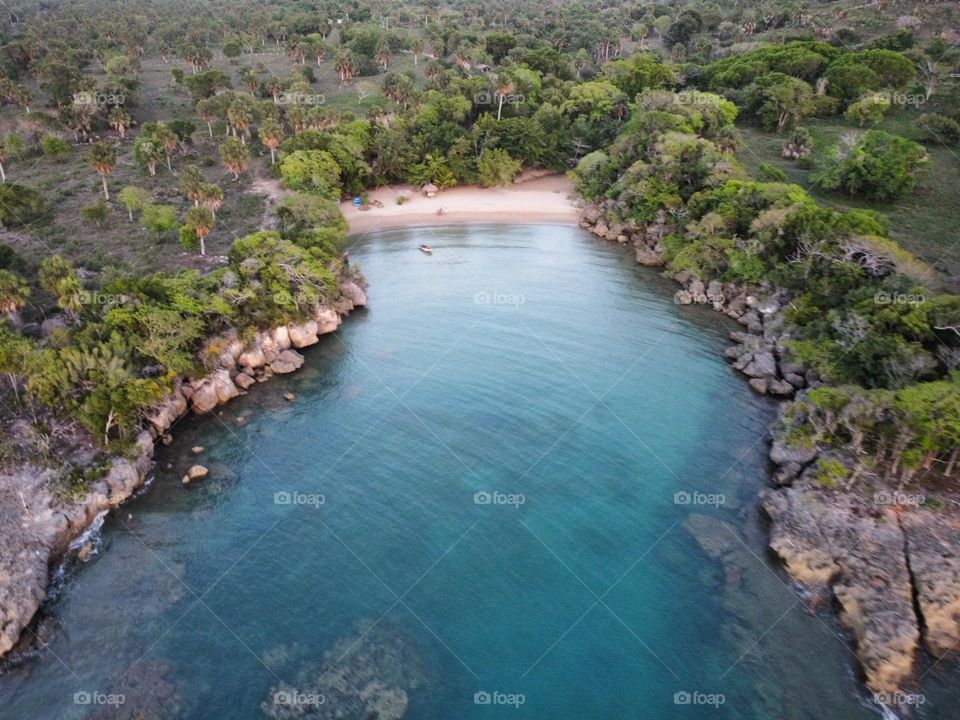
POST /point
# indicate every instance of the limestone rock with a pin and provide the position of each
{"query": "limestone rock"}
(243, 380)
(327, 319)
(196, 472)
(287, 362)
(303, 335)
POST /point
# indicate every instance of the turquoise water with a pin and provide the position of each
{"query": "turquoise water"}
(533, 367)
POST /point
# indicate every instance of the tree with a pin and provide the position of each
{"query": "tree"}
(232, 49)
(240, 115)
(938, 129)
(103, 159)
(235, 156)
(148, 151)
(311, 170)
(119, 120)
(96, 213)
(199, 224)
(59, 278)
(496, 167)
(191, 180)
(271, 135)
(416, 46)
(159, 218)
(134, 199)
(870, 109)
(13, 295)
(880, 166)
(211, 197)
(206, 109)
(503, 87)
(780, 101)
(345, 63)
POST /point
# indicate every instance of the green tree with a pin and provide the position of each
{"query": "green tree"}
(312, 171)
(235, 156)
(160, 219)
(134, 199)
(496, 167)
(103, 159)
(880, 166)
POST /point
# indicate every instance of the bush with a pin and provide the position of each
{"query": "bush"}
(940, 129)
(95, 214)
(771, 173)
(880, 166)
(54, 147)
(496, 167)
(20, 206)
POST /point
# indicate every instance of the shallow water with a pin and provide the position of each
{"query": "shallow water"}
(523, 474)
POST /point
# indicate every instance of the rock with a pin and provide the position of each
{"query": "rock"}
(786, 474)
(287, 362)
(682, 297)
(933, 552)
(796, 381)
(327, 319)
(243, 381)
(781, 453)
(281, 337)
(253, 358)
(591, 213)
(196, 449)
(600, 229)
(759, 385)
(289, 396)
(750, 318)
(698, 290)
(303, 335)
(622, 239)
(828, 539)
(223, 386)
(781, 388)
(84, 553)
(204, 398)
(647, 257)
(196, 472)
(763, 364)
(166, 438)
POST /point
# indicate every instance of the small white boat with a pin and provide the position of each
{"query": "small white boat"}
(425, 249)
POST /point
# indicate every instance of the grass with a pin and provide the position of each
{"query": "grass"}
(926, 221)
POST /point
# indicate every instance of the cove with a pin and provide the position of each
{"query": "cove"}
(522, 484)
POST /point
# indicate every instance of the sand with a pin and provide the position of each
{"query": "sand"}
(536, 198)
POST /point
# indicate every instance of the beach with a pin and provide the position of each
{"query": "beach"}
(534, 198)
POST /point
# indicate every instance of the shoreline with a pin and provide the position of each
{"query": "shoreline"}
(535, 198)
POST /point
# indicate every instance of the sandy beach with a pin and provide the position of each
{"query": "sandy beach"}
(535, 198)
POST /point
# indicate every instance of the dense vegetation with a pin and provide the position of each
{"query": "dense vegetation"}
(174, 119)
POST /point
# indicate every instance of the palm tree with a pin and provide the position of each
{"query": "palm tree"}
(148, 151)
(503, 88)
(240, 116)
(119, 120)
(211, 197)
(103, 159)
(345, 63)
(207, 113)
(416, 45)
(13, 295)
(271, 135)
(383, 53)
(200, 220)
(235, 156)
(168, 139)
(191, 180)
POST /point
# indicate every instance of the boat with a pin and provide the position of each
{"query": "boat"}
(425, 249)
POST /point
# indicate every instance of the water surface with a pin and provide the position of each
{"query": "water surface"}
(523, 474)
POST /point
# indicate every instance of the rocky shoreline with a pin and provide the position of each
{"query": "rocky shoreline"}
(37, 527)
(886, 560)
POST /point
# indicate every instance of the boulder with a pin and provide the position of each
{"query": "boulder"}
(204, 398)
(304, 335)
(759, 385)
(196, 472)
(600, 229)
(354, 293)
(252, 358)
(327, 319)
(281, 337)
(647, 257)
(287, 362)
(781, 388)
(244, 381)
(762, 365)
(782, 453)
(223, 386)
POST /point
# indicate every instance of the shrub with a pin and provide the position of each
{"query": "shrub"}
(54, 147)
(21, 205)
(880, 166)
(940, 129)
